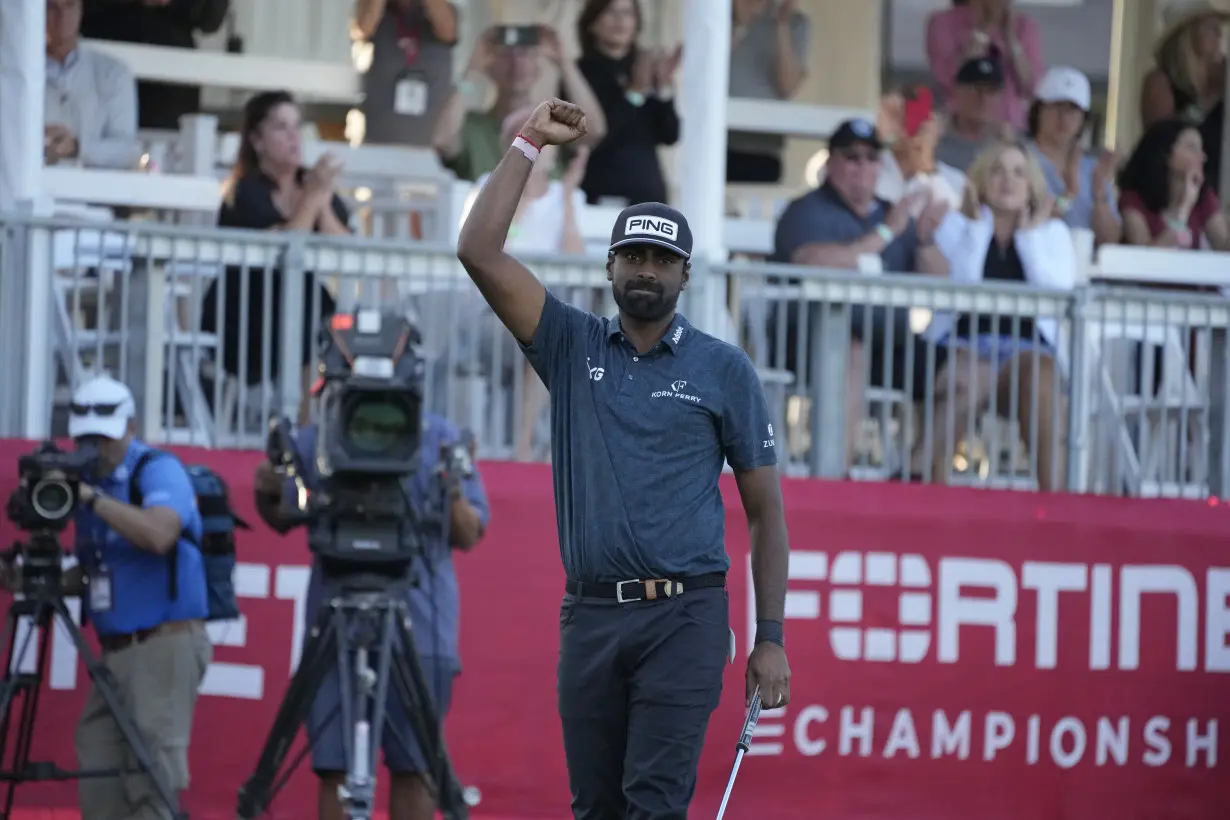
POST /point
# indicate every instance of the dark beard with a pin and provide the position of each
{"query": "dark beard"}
(644, 305)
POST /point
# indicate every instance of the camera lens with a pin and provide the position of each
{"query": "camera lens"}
(52, 500)
(378, 424)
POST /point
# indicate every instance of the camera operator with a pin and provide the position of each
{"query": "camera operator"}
(433, 605)
(153, 644)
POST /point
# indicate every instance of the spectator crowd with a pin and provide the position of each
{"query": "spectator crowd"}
(980, 175)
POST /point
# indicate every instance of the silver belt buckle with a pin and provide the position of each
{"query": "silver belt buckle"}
(619, 592)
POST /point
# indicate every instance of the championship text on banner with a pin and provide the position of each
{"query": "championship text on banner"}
(956, 654)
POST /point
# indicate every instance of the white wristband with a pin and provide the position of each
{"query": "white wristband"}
(526, 147)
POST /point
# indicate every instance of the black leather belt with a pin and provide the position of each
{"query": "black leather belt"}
(114, 643)
(648, 589)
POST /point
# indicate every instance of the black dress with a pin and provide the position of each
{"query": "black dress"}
(625, 164)
(251, 206)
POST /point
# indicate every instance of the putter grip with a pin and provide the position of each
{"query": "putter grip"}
(749, 725)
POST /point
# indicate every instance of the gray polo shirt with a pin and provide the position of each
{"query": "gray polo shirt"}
(960, 152)
(751, 74)
(638, 442)
(409, 79)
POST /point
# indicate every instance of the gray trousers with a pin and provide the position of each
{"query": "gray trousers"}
(157, 681)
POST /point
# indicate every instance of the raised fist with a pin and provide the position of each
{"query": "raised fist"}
(555, 122)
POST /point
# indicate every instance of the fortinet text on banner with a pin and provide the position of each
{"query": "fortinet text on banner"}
(1073, 605)
(956, 655)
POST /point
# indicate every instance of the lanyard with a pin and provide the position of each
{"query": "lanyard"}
(408, 40)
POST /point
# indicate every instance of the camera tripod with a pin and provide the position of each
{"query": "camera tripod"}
(45, 606)
(362, 621)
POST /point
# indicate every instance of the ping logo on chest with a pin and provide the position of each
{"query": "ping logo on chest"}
(678, 390)
(652, 226)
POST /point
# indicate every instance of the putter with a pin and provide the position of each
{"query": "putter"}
(745, 741)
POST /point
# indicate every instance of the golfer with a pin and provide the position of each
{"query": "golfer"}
(644, 411)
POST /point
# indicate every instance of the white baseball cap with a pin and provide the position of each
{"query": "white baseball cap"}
(101, 406)
(1065, 84)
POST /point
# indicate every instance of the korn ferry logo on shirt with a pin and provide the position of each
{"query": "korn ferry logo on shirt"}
(678, 390)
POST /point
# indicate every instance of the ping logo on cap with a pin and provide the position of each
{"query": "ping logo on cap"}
(653, 226)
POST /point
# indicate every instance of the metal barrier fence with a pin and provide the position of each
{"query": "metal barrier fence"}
(1098, 390)
(1107, 390)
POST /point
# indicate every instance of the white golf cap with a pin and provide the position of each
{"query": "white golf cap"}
(101, 406)
(1065, 84)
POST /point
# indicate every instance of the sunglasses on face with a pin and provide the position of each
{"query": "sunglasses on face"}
(95, 409)
(860, 156)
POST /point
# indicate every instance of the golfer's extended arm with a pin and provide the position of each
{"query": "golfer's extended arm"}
(513, 292)
(761, 491)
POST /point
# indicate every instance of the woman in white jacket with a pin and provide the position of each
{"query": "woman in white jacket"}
(1007, 232)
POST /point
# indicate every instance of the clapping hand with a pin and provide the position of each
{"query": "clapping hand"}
(576, 169)
(549, 45)
(1192, 184)
(1104, 171)
(323, 173)
(1072, 171)
(644, 71)
(890, 118)
(899, 215)
(1033, 217)
(930, 218)
(555, 122)
(58, 143)
(666, 65)
(483, 56)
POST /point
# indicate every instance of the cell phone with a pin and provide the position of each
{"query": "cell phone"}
(523, 36)
(918, 110)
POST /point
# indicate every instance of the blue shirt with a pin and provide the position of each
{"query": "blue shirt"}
(434, 601)
(638, 442)
(1080, 209)
(823, 216)
(140, 584)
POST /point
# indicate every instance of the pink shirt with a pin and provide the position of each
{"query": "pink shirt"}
(948, 35)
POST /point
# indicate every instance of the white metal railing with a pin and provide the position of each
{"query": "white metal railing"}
(1140, 410)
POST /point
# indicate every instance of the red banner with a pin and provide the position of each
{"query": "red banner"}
(956, 654)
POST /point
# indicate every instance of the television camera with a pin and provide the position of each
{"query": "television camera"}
(364, 531)
(43, 505)
(360, 518)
